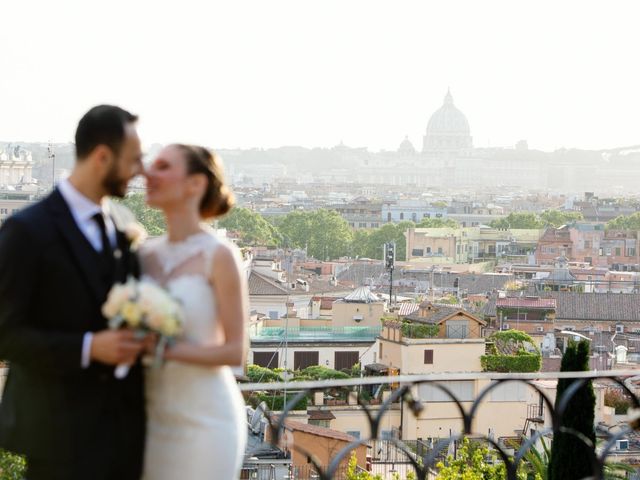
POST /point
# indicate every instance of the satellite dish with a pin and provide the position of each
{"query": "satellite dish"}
(256, 418)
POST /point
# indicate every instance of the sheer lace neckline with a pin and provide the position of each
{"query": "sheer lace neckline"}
(189, 239)
(171, 255)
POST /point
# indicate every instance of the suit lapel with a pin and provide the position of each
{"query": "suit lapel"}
(82, 251)
(124, 266)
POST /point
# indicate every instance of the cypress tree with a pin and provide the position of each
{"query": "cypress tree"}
(570, 456)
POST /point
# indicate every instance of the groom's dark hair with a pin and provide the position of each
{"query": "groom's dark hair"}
(102, 125)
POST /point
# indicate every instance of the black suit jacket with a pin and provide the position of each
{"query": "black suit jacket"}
(79, 423)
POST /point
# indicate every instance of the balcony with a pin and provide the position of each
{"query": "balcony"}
(388, 451)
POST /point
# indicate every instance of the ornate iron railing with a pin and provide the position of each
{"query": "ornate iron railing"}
(422, 456)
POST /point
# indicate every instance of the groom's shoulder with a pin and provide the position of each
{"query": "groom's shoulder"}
(38, 212)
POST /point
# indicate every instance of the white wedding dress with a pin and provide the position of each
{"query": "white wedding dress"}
(196, 421)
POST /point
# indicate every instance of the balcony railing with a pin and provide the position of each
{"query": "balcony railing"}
(271, 334)
(421, 456)
(387, 449)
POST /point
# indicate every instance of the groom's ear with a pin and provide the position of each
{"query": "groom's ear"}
(102, 156)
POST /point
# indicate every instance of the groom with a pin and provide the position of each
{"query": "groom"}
(62, 406)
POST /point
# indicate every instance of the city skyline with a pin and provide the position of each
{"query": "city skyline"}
(261, 76)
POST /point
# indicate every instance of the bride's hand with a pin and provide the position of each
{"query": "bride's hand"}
(176, 351)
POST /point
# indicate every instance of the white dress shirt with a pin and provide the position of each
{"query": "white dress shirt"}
(83, 209)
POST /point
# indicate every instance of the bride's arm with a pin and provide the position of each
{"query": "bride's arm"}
(230, 290)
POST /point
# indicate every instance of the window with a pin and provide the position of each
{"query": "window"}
(417, 252)
(457, 328)
(345, 360)
(362, 225)
(619, 328)
(509, 392)
(381, 351)
(388, 216)
(440, 250)
(401, 215)
(587, 244)
(320, 423)
(302, 360)
(426, 215)
(428, 250)
(631, 252)
(354, 433)
(374, 225)
(273, 314)
(617, 251)
(4, 211)
(428, 357)
(266, 359)
(462, 389)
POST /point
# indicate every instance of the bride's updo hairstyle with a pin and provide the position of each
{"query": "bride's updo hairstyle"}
(218, 198)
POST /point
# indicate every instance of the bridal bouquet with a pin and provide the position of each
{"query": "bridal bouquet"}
(146, 308)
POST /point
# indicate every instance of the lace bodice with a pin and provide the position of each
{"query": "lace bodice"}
(184, 268)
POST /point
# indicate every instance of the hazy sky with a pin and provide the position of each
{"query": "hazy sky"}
(269, 73)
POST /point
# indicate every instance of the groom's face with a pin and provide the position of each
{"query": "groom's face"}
(125, 164)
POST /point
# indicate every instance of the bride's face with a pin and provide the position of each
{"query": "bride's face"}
(168, 183)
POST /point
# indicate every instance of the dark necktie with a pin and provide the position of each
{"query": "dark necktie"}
(107, 251)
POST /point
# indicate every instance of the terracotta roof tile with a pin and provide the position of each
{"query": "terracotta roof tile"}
(320, 431)
(526, 302)
(261, 285)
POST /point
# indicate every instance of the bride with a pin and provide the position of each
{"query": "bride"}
(196, 425)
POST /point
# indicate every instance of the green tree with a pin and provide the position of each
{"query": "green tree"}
(251, 226)
(295, 228)
(557, 218)
(354, 474)
(324, 233)
(360, 244)
(629, 222)
(471, 464)
(437, 223)
(151, 218)
(389, 232)
(12, 467)
(570, 456)
(518, 220)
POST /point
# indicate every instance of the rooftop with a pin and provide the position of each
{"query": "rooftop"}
(615, 307)
(317, 334)
(527, 302)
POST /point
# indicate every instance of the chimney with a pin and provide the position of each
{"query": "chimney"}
(291, 311)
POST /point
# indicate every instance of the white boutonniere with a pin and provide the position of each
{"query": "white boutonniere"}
(136, 234)
(126, 222)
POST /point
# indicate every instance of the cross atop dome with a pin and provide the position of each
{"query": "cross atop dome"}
(448, 98)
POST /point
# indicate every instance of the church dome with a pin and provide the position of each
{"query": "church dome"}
(448, 128)
(406, 147)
